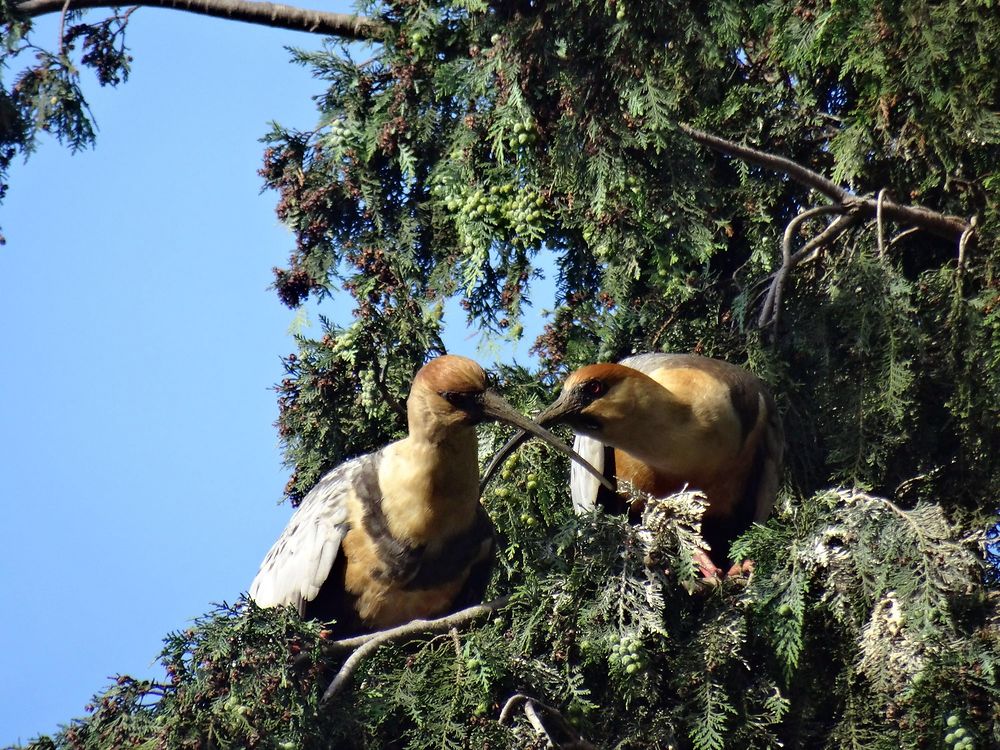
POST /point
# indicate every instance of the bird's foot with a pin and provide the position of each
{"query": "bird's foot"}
(709, 570)
(742, 569)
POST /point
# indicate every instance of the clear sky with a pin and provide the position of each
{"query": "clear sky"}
(140, 472)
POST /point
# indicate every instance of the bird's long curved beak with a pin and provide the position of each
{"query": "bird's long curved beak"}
(498, 408)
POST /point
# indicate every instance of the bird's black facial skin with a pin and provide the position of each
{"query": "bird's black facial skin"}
(471, 402)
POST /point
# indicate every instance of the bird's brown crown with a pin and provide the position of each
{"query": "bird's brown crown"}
(450, 373)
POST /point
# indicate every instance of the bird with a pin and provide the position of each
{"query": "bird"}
(663, 422)
(398, 534)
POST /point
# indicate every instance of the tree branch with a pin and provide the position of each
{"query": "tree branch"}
(547, 722)
(943, 225)
(366, 644)
(265, 14)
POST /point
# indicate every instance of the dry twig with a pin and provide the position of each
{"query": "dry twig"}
(546, 721)
(364, 645)
(851, 207)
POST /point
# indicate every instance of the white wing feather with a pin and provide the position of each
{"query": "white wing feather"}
(582, 484)
(300, 560)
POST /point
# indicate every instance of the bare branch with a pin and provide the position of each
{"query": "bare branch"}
(62, 27)
(943, 225)
(266, 14)
(773, 300)
(878, 220)
(366, 644)
(963, 243)
(778, 163)
(383, 390)
(547, 722)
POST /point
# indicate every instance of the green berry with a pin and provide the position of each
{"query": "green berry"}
(950, 738)
(960, 733)
(953, 720)
(785, 611)
(631, 668)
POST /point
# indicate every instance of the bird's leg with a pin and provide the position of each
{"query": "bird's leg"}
(708, 568)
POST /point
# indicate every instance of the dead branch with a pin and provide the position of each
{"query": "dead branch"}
(364, 645)
(276, 15)
(771, 309)
(546, 721)
(943, 225)
(851, 207)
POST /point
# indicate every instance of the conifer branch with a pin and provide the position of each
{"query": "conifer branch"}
(944, 225)
(364, 645)
(276, 15)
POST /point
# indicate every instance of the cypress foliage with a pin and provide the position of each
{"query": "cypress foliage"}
(480, 132)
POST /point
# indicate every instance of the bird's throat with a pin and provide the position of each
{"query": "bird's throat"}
(430, 490)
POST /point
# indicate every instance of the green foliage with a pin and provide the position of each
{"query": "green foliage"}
(821, 644)
(478, 133)
(46, 95)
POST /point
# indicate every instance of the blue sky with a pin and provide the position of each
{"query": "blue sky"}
(140, 472)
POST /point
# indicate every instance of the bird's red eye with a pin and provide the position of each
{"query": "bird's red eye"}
(594, 388)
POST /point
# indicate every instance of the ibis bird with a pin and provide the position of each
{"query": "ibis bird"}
(398, 534)
(666, 421)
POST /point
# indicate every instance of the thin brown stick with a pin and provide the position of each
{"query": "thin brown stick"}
(903, 234)
(793, 169)
(383, 390)
(510, 706)
(537, 712)
(366, 644)
(265, 14)
(828, 235)
(773, 300)
(944, 225)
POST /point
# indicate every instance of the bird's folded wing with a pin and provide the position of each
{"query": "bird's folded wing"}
(300, 560)
(582, 484)
(769, 462)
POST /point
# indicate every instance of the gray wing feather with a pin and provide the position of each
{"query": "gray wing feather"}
(582, 484)
(300, 560)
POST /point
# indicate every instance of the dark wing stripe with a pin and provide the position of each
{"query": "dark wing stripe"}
(409, 566)
(456, 554)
